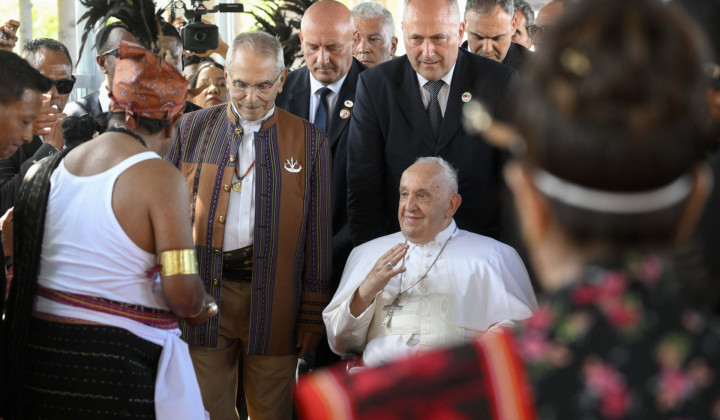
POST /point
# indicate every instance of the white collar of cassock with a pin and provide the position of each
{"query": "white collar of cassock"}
(440, 238)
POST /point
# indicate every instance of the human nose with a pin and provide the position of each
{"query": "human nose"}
(486, 46)
(27, 133)
(428, 48)
(324, 56)
(54, 93)
(213, 88)
(410, 203)
(251, 95)
(363, 45)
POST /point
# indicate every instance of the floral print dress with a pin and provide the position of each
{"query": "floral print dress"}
(622, 343)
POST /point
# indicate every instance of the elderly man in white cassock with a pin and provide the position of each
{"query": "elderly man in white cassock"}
(431, 284)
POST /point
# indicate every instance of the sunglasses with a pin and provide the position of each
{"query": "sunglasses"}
(113, 52)
(63, 86)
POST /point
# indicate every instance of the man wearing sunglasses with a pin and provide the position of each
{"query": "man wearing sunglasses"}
(107, 41)
(52, 59)
(546, 17)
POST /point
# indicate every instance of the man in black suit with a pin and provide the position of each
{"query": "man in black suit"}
(490, 25)
(327, 40)
(398, 118)
(52, 59)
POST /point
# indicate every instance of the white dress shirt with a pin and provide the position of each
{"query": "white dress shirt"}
(476, 283)
(443, 94)
(104, 97)
(331, 98)
(240, 220)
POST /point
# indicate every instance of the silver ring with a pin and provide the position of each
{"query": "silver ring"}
(212, 309)
(389, 266)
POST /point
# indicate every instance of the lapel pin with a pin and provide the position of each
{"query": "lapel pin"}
(349, 103)
(345, 113)
(466, 97)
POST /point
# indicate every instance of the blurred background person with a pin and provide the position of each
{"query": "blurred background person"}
(604, 215)
(546, 17)
(7, 35)
(210, 84)
(191, 63)
(375, 26)
(524, 17)
(706, 14)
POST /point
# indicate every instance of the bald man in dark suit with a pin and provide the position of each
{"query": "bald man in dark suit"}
(327, 39)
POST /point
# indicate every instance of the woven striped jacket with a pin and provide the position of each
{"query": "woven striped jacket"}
(292, 237)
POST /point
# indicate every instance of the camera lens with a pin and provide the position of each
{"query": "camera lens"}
(200, 36)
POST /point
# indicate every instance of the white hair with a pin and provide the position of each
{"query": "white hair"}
(454, 9)
(374, 10)
(261, 43)
(448, 173)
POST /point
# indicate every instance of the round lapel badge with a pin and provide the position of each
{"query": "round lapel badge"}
(345, 113)
(349, 103)
(466, 97)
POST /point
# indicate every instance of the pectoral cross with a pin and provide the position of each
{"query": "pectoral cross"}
(390, 309)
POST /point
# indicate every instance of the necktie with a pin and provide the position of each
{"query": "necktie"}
(433, 109)
(321, 114)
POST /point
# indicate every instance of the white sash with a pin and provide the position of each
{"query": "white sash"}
(177, 394)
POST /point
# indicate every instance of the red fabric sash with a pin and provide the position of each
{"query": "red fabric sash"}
(156, 318)
(484, 379)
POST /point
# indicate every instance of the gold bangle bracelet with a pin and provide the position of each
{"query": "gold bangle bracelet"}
(178, 261)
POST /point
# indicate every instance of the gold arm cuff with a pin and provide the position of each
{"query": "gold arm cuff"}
(178, 261)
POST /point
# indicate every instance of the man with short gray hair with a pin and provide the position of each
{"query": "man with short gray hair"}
(524, 17)
(259, 181)
(431, 284)
(376, 29)
(490, 26)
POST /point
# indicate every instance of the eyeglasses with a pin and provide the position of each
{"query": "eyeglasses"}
(262, 87)
(534, 30)
(63, 86)
(113, 52)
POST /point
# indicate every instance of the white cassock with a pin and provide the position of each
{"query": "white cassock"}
(476, 282)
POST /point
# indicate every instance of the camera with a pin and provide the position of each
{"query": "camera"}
(198, 36)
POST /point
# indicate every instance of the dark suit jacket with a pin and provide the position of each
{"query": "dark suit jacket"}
(295, 98)
(89, 104)
(13, 169)
(516, 56)
(390, 130)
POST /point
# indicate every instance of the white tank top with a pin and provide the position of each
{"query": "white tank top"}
(85, 250)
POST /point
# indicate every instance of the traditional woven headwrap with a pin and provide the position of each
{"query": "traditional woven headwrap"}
(146, 86)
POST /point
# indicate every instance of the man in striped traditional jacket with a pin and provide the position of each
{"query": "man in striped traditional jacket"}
(258, 179)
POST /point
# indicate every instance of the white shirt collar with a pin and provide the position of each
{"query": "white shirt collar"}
(245, 123)
(447, 78)
(335, 87)
(441, 237)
